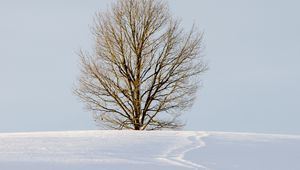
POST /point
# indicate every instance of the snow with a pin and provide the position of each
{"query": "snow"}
(91, 150)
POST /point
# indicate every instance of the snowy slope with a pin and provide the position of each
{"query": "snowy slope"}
(91, 150)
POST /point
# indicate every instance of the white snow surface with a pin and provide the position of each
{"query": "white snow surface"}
(167, 150)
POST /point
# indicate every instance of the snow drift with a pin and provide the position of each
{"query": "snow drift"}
(172, 150)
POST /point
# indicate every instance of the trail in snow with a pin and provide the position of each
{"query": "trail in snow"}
(175, 155)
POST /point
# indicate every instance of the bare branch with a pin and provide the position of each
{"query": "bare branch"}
(144, 70)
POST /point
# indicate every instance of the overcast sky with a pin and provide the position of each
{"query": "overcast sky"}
(252, 48)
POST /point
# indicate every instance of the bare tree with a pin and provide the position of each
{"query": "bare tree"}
(144, 70)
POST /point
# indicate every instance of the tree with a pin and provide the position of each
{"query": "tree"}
(144, 70)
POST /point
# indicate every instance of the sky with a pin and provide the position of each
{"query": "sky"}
(252, 48)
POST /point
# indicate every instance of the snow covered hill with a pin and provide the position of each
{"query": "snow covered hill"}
(113, 150)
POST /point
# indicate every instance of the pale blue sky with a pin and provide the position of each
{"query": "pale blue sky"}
(252, 47)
